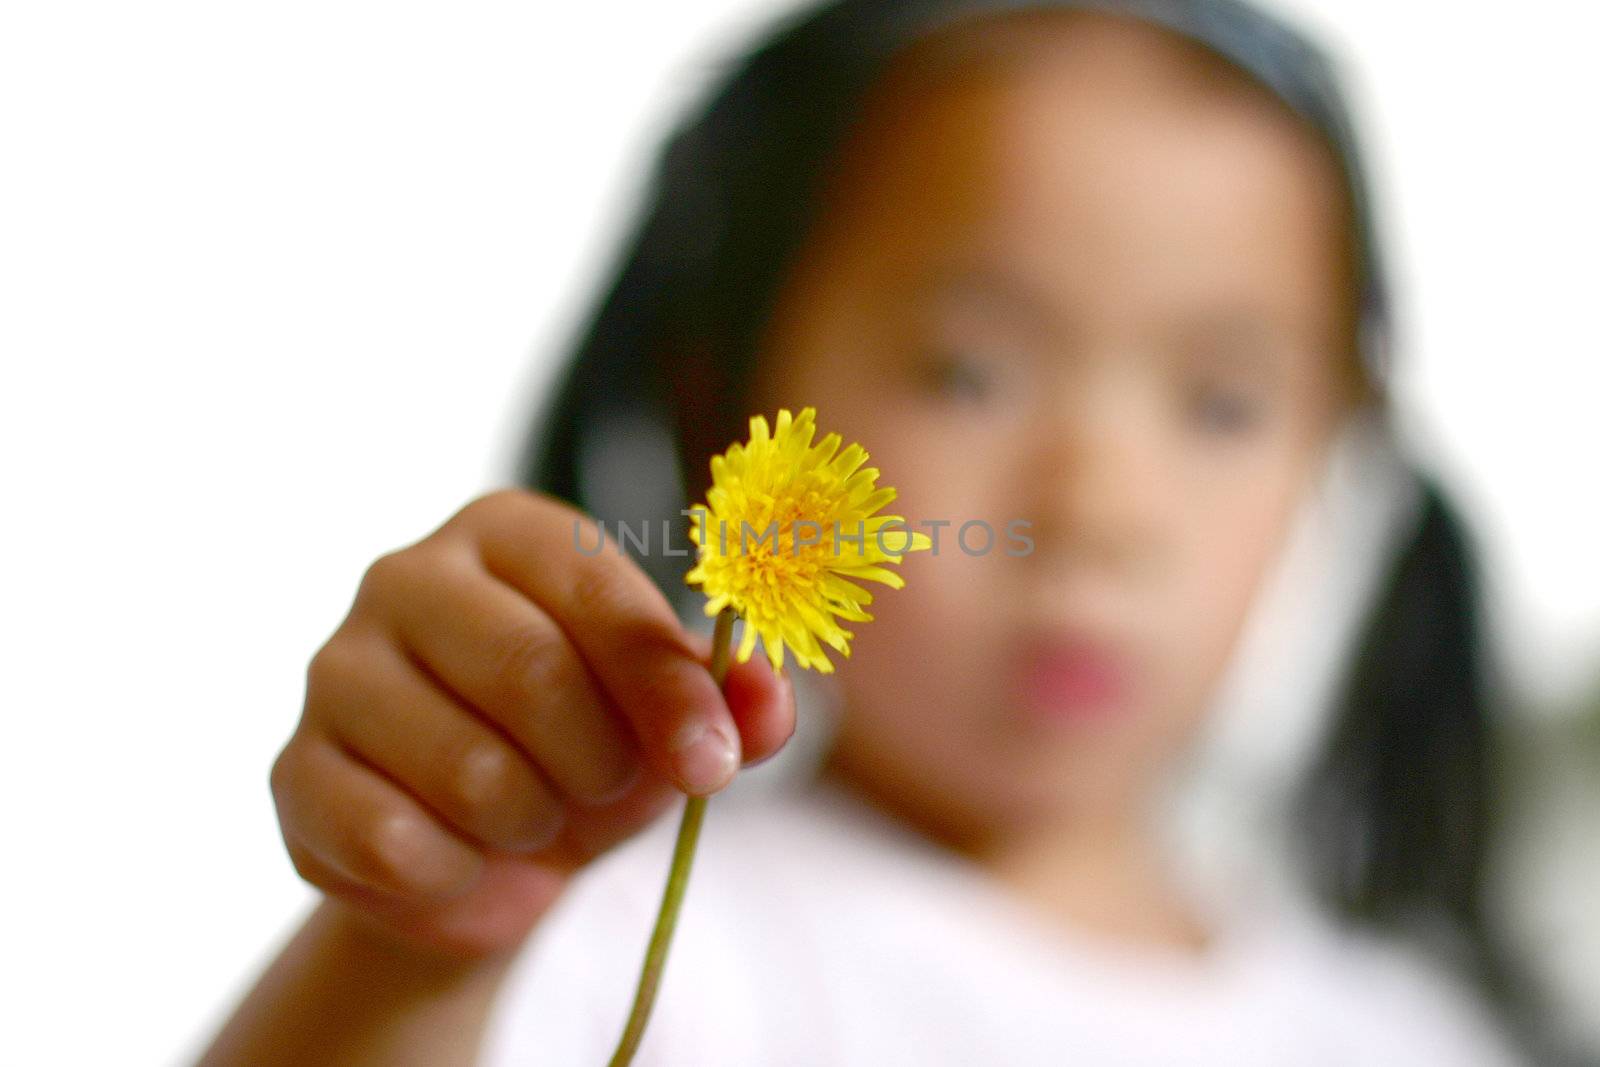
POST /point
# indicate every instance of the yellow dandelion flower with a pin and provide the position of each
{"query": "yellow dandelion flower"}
(787, 530)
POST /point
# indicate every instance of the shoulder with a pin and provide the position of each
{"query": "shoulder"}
(1390, 1002)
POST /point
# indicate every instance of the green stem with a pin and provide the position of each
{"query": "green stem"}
(694, 811)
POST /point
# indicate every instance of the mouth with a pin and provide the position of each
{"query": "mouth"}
(1073, 678)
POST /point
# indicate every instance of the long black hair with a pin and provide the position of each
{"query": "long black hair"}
(1398, 813)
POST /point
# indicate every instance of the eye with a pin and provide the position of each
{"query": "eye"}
(958, 376)
(1223, 411)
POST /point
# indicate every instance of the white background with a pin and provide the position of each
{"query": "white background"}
(277, 285)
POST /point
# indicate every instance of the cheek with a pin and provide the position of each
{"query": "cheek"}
(918, 687)
(920, 679)
(932, 635)
(1227, 554)
(928, 640)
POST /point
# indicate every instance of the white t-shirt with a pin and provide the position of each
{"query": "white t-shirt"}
(816, 931)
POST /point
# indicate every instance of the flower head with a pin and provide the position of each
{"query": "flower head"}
(787, 530)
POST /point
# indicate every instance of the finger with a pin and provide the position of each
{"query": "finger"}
(763, 705)
(392, 716)
(331, 881)
(625, 630)
(591, 831)
(365, 827)
(508, 660)
(507, 898)
(760, 700)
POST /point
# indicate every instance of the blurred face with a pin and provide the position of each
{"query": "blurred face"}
(1093, 284)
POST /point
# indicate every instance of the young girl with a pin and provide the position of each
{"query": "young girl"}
(1105, 268)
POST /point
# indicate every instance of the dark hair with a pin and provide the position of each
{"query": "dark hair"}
(1398, 812)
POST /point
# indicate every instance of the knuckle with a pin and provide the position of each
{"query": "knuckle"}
(504, 497)
(638, 637)
(337, 674)
(653, 646)
(602, 586)
(499, 800)
(527, 658)
(385, 572)
(304, 866)
(482, 777)
(395, 576)
(560, 681)
(539, 823)
(490, 504)
(390, 848)
(327, 664)
(280, 775)
(607, 785)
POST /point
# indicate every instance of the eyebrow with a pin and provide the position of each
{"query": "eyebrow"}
(989, 285)
(1246, 344)
(1228, 326)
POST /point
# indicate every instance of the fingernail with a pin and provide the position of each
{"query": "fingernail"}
(705, 757)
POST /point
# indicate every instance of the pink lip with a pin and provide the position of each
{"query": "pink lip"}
(1074, 680)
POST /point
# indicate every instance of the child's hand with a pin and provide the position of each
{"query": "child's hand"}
(497, 710)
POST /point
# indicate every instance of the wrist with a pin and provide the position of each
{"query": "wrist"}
(381, 944)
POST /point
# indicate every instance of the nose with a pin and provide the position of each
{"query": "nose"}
(1095, 480)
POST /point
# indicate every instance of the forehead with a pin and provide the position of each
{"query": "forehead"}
(1088, 153)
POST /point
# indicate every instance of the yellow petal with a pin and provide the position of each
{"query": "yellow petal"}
(877, 574)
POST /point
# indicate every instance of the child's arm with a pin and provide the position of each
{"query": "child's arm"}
(344, 994)
(498, 709)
